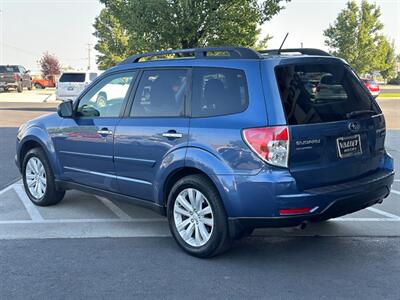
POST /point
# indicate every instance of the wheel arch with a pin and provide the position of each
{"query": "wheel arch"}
(35, 137)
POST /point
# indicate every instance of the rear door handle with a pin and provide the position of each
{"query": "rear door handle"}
(104, 131)
(172, 134)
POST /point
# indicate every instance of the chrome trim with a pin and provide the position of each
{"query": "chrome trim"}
(172, 135)
(135, 159)
(91, 172)
(85, 154)
(134, 180)
(104, 132)
(109, 175)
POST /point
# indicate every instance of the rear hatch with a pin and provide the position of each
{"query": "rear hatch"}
(8, 74)
(336, 129)
(71, 84)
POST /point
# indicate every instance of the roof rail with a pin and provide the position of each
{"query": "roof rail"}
(199, 53)
(307, 51)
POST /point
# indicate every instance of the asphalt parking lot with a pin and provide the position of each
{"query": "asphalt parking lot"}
(91, 247)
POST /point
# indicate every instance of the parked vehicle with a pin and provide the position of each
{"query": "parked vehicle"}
(219, 146)
(71, 84)
(372, 87)
(42, 83)
(15, 77)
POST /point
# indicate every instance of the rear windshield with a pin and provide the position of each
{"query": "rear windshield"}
(318, 93)
(72, 77)
(8, 69)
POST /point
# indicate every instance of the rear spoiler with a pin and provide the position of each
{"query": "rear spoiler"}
(306, 51)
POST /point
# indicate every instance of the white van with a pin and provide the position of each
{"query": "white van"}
(72, 83)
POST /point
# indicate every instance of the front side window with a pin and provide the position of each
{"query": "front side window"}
(160, 93)
(106, 98)
(218, 91)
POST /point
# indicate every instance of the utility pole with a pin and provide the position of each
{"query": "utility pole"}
(2, 30)
(89, 50)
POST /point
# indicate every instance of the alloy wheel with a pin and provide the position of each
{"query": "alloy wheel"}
(35, 176)
(193, 216)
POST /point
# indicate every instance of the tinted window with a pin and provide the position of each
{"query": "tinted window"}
(106, 98)
(315, 93)
(218, 91)
(9, 69)
(92, 76)
(72, 77)
(160, 93)
(22, 69)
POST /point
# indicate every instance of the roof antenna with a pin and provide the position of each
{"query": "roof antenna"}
(279, 50)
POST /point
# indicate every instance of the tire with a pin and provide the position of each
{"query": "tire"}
(20, 87)
(198, 243)
(38, 86)
(101, 100)
(46, 194)
(30, 86)
(6, 90)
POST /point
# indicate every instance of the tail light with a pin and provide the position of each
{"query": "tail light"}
(15, 77)
(271, 144)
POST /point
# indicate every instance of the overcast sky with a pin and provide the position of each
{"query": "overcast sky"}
(30, 27)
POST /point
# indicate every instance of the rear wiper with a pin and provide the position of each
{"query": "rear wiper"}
(359, 113)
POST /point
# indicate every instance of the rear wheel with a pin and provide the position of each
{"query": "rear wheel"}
(197, 218)
(30, 86)
(38, 179)
(20, 87)
(38, 86)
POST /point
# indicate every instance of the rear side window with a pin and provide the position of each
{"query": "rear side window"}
(317, 93)
(72, 77)
(160, 93)
(218, 91)
(92, 76)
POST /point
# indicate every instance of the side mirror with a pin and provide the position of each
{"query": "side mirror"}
(65, 109)
(27, 71)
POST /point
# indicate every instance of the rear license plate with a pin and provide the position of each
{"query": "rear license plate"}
(349, 146)
(70, 88)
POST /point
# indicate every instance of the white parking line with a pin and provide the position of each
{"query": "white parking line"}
(395, 192)
(6, 189)
(383, 213)
(29, 206)
(62, 221)
(115, 209)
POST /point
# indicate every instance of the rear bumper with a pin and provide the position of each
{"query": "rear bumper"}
(336, 208)
(256, 201)
(10, 84)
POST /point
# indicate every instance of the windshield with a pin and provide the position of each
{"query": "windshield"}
(72, 77)
(317, 93)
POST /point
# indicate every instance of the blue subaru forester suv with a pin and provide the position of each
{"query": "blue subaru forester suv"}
(220, 140)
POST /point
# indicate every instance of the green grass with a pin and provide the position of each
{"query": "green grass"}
(391, 95)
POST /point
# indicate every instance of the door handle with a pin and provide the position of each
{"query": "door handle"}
(104, 131)
(172, 134)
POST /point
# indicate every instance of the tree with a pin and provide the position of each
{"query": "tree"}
(49, 65)
(356, 36)
(125, 27)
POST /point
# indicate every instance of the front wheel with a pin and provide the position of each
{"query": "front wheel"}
(38, 179)
(197, 218)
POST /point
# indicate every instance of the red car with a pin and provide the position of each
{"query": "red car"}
(372, 86)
